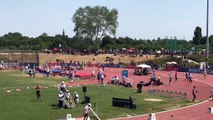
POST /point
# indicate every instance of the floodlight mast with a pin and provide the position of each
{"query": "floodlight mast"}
(207, 36)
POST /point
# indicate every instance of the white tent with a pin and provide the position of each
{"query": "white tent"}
(173, 62)
(168, 63)
(142, 69)
(123, 48)
(143, 66)
(158, 52)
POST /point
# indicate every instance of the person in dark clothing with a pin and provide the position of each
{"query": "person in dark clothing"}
(187, 78)
(175, 76)
(99, 77)
(70, 74)
(139, 86)
(102, 65)
(158, 81)
(38, 92)
(194, 92)
(170, 79)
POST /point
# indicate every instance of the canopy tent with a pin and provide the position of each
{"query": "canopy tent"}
(171, 66)
(173, 62)
(131, 49)
(143, 66)
(123, 48)
(168, 63)
(159, 52)
(142, 69)
(56, 49)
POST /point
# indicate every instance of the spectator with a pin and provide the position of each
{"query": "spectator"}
(48, 72)
(102, 79)
(102, 65)
(68, 97)
(60, 99)
(139, 86)
(70, 74)
(63, 87)
(124, 79)
(30, 72)
(76, 98)
(115, 80)
(99, 77)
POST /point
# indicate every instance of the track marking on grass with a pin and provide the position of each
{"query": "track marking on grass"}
(153, 100)
(6, 89)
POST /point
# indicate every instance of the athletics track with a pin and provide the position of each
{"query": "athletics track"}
(195, 112)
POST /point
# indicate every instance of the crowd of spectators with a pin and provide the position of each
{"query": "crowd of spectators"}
(132, 52)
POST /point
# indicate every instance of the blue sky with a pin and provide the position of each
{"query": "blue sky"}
(140, 19)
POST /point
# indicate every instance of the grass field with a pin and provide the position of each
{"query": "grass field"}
(22, 105)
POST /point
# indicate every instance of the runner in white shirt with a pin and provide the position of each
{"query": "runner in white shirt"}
(86, 111)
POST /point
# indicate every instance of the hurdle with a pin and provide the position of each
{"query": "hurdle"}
(154, 92)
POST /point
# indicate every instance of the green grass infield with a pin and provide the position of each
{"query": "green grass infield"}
(22, 105)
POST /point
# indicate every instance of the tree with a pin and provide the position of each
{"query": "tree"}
(203, 40)
(197, 36)
(107, 41)
(95, 23)
(211, 39)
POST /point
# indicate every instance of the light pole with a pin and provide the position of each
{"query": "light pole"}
(207, 35)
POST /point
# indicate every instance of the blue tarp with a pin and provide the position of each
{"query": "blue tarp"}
(194, 70)
(53, 71)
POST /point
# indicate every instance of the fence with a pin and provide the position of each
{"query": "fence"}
(18, 57)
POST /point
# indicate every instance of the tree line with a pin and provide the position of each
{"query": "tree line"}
(16, 41)
(95, 28)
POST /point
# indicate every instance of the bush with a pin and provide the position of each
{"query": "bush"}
(201, 58)
(160, 62)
